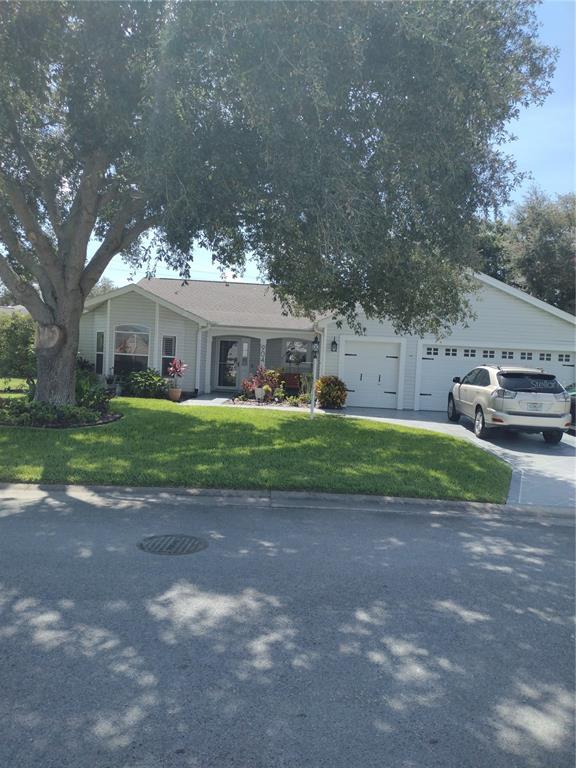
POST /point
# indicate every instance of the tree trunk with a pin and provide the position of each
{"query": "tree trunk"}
(56, 353)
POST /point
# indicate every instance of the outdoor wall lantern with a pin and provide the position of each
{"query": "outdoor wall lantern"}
(334, 345)
(315, 347)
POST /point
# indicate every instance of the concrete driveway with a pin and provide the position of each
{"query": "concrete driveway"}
(545, 475)
(301, 637)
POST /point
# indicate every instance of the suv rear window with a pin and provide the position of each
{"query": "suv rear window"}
(530, 382)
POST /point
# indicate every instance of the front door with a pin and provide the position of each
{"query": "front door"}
(233, 362)
(228, 363)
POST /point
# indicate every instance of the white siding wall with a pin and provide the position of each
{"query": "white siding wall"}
(185, 330)
(507, 321)
(132, 309)
(87, 340)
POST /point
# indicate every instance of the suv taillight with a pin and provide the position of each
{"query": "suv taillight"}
(507, 394)
(564, 397)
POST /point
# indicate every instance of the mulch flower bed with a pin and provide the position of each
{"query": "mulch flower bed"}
(108, 419)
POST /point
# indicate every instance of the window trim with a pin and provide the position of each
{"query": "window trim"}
(162, 355)
(100, 354)
(141, 329)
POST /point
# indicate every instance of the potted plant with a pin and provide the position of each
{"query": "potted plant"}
(175, 372)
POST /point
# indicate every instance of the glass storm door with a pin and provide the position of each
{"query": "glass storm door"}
(228, 363)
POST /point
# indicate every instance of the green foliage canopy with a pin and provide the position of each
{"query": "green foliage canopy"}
(347, 146)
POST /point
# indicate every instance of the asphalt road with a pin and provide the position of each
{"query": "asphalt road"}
(301, 636)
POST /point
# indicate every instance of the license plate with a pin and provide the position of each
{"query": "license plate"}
(534, 406)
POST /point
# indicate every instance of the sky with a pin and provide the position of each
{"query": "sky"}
(544, 147)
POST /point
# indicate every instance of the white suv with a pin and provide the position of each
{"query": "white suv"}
(525, 399)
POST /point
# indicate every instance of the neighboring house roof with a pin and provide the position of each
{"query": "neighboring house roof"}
(7, 310)
(252, 305)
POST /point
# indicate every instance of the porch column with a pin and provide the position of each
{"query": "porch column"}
(157, 348)
(263, 343)
(208, 371)
(109, 341)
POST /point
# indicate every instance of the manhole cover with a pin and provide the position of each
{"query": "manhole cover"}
(172, 544)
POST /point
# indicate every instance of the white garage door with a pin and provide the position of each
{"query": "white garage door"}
(370, 372)
(440, 363)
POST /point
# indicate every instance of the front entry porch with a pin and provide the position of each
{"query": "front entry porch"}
(234, 357)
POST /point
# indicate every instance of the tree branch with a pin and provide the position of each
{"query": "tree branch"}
(82, 216)
(33, 230)
(47, 191)
(25, 293)
(118, 238)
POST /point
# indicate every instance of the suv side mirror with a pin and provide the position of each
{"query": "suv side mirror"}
(456, 379)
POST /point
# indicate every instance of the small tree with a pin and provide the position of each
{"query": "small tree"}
(543, 246)
(17, 357)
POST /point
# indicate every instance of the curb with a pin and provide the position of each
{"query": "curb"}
(306, 500)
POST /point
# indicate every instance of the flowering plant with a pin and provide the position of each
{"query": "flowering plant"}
(176, 369)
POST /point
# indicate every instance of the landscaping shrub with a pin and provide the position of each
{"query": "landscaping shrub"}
(148, 383)
(330, 392)
(17, 356)
(89, 391)
(269, 380)
(21, 412)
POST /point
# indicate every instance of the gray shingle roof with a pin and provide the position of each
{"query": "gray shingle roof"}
(241, 305)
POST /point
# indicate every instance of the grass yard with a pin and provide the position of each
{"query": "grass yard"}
(159, 443)
(8, 383)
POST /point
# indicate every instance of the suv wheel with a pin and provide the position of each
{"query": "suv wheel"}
(479, 424)
(553, 435)
(453, 414)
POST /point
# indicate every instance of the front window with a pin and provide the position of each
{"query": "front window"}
(168, 352)
(297, 356)
(131, 349)
(99, 351)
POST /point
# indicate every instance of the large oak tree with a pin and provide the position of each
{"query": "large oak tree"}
(346, 146)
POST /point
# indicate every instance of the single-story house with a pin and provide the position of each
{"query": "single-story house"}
(224, 330)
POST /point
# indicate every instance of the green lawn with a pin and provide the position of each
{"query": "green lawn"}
(159, 443)
(7, 383)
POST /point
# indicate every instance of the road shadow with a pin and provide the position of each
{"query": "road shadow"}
(297, 638)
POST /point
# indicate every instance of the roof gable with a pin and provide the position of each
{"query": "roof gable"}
(523, 296)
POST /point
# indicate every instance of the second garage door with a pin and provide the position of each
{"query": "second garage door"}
(370, 371)
(440, 363)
